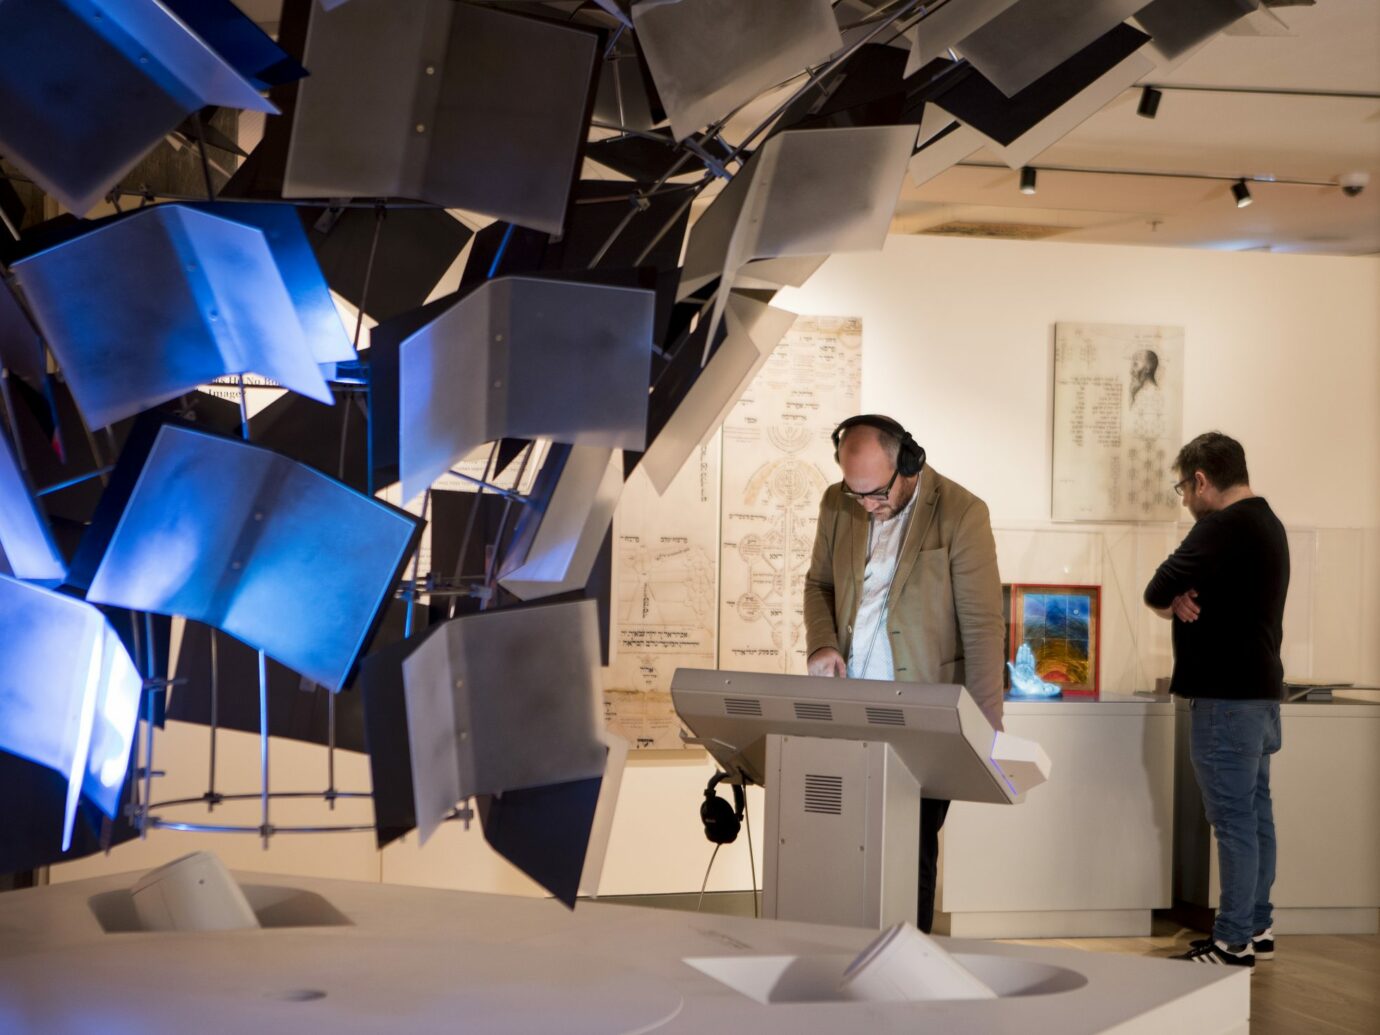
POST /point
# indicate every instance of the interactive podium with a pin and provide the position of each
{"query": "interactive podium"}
(843, 762)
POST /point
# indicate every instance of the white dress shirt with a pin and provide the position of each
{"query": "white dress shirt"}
(869, 651)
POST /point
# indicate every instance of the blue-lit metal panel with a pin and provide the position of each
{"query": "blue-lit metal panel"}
(147, 307)
(27, 550)
(87, 87)
(503, 700)
(301, 275)
(269, 550)
(69, 694)
(21, 349)
(522, 357)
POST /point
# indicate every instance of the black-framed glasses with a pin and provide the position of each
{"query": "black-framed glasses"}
(880, 495)
(1180, 486)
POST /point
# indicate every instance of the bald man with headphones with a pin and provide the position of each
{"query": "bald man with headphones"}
(903, 585)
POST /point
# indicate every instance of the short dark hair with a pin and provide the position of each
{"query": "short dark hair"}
(1220, 458)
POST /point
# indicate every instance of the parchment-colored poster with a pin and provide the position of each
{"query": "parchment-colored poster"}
(777, 462)
(665, 552)
(1118, 421)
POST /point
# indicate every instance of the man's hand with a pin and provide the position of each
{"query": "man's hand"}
(827, 662)
(1184, 606)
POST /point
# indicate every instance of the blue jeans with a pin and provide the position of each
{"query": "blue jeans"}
(1231, 744)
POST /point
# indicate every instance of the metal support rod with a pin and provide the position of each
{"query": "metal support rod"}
(416, 564)
(265, 830)
(205, 162)
(330, 749)
(469, 524)
(100, 472)
(148, 726)
(212, 798)
(488, 486)
(368, 276)
(244, 409)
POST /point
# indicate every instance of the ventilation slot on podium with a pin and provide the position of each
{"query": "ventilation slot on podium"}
(813, 710)
(886, 717)
(824, 794)
(742, 706)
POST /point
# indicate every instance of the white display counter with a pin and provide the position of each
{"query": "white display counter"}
(344, 957)
(1325, 782)
(1087, 854)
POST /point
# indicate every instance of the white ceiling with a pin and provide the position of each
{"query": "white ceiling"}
(1334, 46)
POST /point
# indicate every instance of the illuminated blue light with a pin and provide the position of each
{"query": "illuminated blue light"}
(26, 545)
(267, 549)
(69, 694)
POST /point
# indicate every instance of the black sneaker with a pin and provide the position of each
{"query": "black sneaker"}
(1212, 951)
(1263, 942)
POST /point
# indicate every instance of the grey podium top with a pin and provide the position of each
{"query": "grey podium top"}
(938, 731)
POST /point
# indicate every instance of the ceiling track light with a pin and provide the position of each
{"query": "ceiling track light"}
(1241, 193)
(1027, 179)
(1149, 102)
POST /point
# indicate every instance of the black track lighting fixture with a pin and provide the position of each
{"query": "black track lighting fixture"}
(1241, 193)
(1027, 179)
(1149, 102)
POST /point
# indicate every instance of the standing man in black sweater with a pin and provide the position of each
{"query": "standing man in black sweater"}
(1224, 590)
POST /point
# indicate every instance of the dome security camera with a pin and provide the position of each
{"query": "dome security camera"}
(1354, 182)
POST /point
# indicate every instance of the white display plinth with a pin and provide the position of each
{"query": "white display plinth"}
(1325, 784)
(1090, 854)
(407, 960)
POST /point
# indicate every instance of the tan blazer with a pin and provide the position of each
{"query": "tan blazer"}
(944, 608)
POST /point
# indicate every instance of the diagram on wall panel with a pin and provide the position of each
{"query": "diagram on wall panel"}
(1118, 421)
(777, 461)
(665, 571)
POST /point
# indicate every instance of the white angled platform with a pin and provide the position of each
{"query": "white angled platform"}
(422, 960)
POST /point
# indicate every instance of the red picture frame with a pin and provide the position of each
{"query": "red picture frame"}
(1063, 625)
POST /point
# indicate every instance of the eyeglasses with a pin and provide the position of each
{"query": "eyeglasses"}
(1179, 486)
(880, 495)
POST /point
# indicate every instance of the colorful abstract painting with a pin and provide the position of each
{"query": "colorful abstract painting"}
(1062, 626)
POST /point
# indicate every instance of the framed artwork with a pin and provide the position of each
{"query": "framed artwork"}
(1063, 627)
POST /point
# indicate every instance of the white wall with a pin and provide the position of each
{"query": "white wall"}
(1282, 352)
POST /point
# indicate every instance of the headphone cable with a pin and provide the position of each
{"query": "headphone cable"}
(752, 861)
(700, 901)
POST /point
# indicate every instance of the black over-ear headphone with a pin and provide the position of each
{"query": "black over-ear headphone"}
(722, 822)
(911, 458)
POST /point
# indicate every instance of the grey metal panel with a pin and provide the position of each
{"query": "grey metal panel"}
(87, 88)
(269, 550)
(943, 27)
(754, 329)
(27, 550)
(69, 695)
(709, 56)
(1067, 118)
(503, 700)
(522, 357)
(571, 529)
(1180, 25)
(450, 103)
(1031, 37)
(148, 307)
(805, 192)
(511, 117)
(354, 129)
(943, 152)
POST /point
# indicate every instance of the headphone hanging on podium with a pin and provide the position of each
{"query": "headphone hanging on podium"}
(910, 460)
(721, 820)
